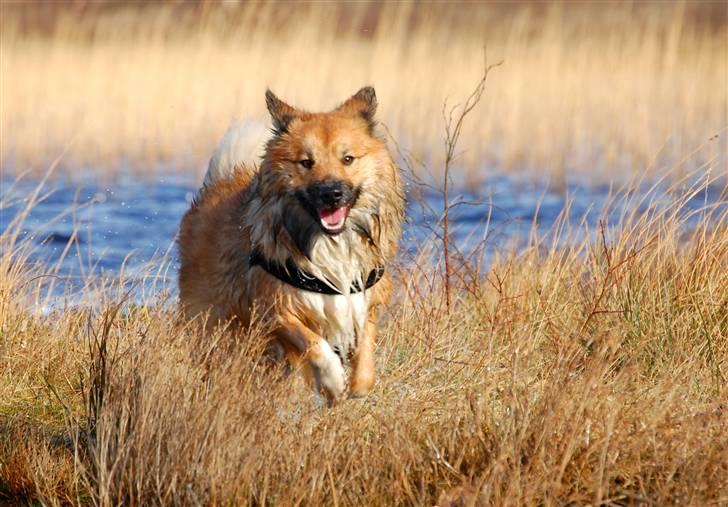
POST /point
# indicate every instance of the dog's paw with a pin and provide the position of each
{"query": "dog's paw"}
(362, 382)
(329, 371)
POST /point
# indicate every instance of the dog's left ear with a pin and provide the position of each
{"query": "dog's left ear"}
(363, 103)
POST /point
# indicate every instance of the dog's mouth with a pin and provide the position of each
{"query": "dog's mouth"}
(333, 220)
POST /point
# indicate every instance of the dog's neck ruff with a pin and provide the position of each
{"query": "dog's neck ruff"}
(291, 274)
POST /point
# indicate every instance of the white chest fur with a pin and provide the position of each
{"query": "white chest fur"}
(340, 318)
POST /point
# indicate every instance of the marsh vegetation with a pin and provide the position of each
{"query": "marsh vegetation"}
(581, 355)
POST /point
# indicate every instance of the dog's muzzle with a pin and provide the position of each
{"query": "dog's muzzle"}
(329, 202)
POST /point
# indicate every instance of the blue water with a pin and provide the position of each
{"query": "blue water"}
(132, 221)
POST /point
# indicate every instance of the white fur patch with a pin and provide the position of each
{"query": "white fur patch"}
(328, 370)
(244, 141)
(341, 318)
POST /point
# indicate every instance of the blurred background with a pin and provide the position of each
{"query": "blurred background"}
(588, 86)
(129, 99)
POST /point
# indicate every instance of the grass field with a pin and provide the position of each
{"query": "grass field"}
(588, 373)
(586, 368)
(587, 87)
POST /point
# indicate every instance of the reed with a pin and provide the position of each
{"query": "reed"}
(579, 371)
(588, 367)
(587, 88)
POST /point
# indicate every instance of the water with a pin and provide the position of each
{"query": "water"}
(132, 222)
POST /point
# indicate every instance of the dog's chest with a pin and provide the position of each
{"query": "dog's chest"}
(340, 319)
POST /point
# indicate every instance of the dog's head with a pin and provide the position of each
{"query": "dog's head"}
(325, 162)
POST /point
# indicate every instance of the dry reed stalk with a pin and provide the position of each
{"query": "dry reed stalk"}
(587, 89)
(591, 372)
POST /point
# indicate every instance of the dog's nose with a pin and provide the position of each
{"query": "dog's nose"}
(331, 194)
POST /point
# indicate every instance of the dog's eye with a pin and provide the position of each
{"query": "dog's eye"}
(307, 163)
(347, 160)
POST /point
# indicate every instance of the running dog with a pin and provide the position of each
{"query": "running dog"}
(306, 236)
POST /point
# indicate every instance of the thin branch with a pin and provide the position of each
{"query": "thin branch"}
(453, 128)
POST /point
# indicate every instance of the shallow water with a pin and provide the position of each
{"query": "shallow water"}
(133, 221)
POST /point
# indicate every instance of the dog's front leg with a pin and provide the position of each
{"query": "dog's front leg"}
(362, 376)
(326, 366)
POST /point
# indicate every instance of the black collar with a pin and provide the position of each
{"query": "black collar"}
(295, 276)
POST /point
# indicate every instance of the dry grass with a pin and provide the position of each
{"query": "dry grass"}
(586, 374)
(585, 86)
(587, 371)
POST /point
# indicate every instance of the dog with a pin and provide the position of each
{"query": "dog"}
(305, 236)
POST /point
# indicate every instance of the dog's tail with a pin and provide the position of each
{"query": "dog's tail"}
(242, 144)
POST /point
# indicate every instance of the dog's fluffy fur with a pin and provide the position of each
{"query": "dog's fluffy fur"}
(276, 209)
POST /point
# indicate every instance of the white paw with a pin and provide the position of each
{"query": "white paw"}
(328, 370)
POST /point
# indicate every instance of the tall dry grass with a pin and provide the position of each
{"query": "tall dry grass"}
(586, 372)
(590, 87)
(586, 368)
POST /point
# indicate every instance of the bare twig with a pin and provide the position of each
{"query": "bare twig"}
(453, 128)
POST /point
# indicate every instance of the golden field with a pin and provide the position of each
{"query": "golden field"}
(588, 367)
(585, 87)
(585, 373)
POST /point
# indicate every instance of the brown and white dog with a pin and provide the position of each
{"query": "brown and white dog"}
(305, 238)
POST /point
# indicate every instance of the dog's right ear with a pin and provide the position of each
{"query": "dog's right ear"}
(281, 113)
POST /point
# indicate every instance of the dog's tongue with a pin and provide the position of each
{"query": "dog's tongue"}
(333, 216)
